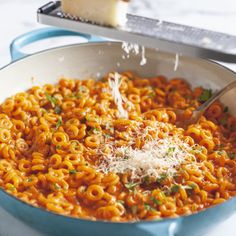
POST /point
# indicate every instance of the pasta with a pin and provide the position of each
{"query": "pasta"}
(86, 150)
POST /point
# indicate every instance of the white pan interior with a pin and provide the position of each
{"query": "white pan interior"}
(96, 59)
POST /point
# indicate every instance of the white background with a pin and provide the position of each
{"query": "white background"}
(19, 16)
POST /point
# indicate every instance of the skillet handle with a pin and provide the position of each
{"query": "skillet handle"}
(39, 34)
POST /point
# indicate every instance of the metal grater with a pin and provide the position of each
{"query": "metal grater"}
(152, 33)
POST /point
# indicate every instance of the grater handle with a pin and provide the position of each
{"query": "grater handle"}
(39, 34)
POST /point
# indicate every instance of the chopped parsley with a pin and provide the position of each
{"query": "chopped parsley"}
(51, 99)
(96, 130)
(161, 178)
(29, 180)
(152, 95)
(57, 109)
(148, 207)
(131, 186)
(193, 186)
(156, 201)
(190, 188)
(221, 152)
(175, 189)
(205, 95)
(53, 102)
(59, 123)
(170, 150)
(57, 186)
(72, 172)
(107, 136)
(58, 147)
(146, 179)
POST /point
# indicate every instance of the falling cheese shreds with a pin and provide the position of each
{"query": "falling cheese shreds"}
(156, 157)
(114, 83)
(135, 49)
(144, 59)
(176, 62)
(130, 48)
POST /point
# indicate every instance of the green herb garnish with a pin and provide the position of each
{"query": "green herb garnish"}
(161, 178)
(29, 180)
(131, 186)
(221, 152)
(107, 136)
(170, 150)
(51, 99)
(57, 109)
(193, 186)
(146, 179)
(156, 201)
(148, 207)
(57, 186)
(96, 130)
(58, 147)
(72, 172)
(152, 95)
(190, 188)
(175, 189)
(59, 123)
(205, 95)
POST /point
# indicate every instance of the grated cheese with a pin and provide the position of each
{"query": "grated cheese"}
(156, 157)
(130, 47)
(134, 48)
(176, 62)
(114, 83)
(144, 59)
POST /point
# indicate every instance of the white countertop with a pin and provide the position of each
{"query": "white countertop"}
(18, 17)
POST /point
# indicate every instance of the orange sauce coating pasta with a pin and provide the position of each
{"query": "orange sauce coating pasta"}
(50, 136)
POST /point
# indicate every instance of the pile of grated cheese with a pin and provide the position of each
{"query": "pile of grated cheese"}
(156, 157)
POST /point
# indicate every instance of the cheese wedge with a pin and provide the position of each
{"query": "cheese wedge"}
(104, 12)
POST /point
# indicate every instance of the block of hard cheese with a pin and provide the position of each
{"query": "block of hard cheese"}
(104, 12)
